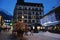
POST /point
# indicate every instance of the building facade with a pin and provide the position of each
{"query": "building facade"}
(51, 18)
(1, 20)
(30, 13)
(4, 18)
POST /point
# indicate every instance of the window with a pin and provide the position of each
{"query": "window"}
(20, 8)
(40, 13)
(32, 8)
(33, 13)
(37, 13)
(29, 13)
(33, 21)
(29, 8)
(19, 16)
(19, 12)
(37, 17)
(25, 21)
(29, 21)
(25, 8)
(33, 17)
(29, 17)
(25, 16)
(37, 21)
(39, 9)
(40, 16)
(25, 12)
(36, 9)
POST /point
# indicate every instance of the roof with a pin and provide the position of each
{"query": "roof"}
(51, 23)
(29, 4)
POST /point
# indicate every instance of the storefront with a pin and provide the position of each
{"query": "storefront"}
(1, 20)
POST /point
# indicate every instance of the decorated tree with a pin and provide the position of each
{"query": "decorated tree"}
(20, 27)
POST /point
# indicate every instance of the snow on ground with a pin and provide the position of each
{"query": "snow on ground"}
(52, 35)
(43, 36)
(48, 34)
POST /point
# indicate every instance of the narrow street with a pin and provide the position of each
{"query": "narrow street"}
(35, 36)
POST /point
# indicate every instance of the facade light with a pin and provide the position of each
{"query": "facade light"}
(22, 16)
(38, 27)
(33, 27)
(41, 28)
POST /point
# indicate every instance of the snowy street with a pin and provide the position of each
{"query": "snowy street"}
(35, 36)
(44, 36)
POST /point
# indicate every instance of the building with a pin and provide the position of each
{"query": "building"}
(30, 13)
(4, 18)
(1, 20)
(52, 19)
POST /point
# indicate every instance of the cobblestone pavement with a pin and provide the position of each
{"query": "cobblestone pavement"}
(8, 36)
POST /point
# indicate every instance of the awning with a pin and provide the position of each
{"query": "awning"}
(50, 23)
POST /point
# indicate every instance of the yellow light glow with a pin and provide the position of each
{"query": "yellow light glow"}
(0, 18)
(55, 27)
(22, 16)
(41, 27)
(33, 27)
(38, 27)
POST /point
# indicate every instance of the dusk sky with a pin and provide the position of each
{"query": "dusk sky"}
(9, 5)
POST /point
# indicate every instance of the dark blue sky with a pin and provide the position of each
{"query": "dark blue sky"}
(9, 5)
